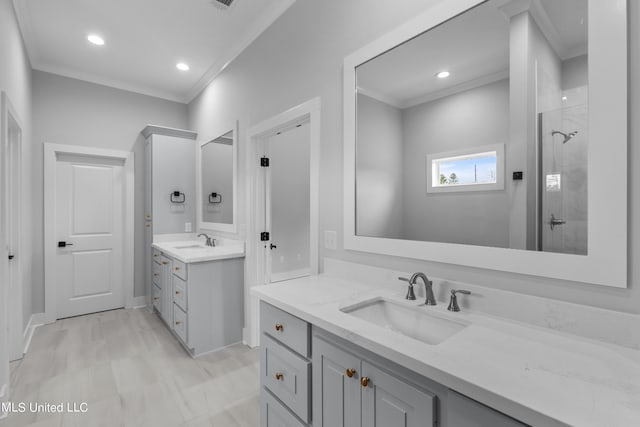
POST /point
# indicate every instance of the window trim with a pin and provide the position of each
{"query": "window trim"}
(498, 185)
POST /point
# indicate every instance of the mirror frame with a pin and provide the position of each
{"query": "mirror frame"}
(606, 259)
(218, 226)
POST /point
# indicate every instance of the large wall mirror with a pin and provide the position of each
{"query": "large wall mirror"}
(486, 126)
(218, 183)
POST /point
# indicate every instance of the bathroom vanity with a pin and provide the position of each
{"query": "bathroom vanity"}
(340, 351)
(198, 291)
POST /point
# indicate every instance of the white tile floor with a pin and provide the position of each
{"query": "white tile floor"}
(132, 372)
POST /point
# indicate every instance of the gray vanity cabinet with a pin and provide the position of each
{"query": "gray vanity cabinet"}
(389, 402)
(464, 412)
(336, 396)
(351, 392)
(166, 301)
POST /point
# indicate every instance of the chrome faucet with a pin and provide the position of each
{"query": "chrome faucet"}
(428, 288)
(210, 240)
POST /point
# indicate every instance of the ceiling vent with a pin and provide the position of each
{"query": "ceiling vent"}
(223, 4)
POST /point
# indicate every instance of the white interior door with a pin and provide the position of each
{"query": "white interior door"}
(89, 230)
(287, 204)
(13, 237)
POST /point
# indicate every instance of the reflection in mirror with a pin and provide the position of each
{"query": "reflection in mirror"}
(217, 180)
(475, 132)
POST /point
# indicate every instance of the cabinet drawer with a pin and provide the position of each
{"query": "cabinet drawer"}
(155, 255)
(287, 376)
(155, 273)
(156, 297)
(180, 269)
(273, 414)
(180, 292)
(180, 323)
(286, 328)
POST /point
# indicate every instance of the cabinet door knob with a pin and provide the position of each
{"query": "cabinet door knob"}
(178, 322)
(155, 255)
(164, 263)
(350, 372)
(156, 298)
(177, 268)
(279, 376)
(364, 381)
(279, 327)
(177, 292)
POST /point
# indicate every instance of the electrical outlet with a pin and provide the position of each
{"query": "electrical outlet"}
(330, 240)
(187, 227)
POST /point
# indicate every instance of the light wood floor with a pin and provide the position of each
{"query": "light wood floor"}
(132, 372)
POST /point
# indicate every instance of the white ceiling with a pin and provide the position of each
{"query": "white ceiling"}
(473, 47)
(144, 40)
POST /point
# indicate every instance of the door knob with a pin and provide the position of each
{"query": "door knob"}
(272, 246)
(64, 244)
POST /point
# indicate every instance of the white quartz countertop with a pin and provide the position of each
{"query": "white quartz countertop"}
(536, 375)
(190, 251)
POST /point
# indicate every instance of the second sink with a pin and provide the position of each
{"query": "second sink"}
(414, 322)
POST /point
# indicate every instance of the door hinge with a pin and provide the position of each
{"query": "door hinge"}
(264, 162)
(264, 236)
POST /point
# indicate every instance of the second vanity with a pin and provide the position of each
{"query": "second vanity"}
(198, 291)
(344, 352)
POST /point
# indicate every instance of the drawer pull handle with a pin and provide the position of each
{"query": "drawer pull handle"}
(177, 292)
(350, 372)
(364, 381)
(178, 322)
(165, 262)
(279, 376)
(279, 327)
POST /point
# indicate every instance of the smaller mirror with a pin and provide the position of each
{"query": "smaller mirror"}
(218, 182)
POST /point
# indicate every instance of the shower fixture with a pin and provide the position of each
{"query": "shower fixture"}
(567, 136)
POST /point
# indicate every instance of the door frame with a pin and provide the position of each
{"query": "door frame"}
(51, 152)
(254, 262)
(13, 174)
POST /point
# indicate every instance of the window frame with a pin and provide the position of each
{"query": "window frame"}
(470, 151)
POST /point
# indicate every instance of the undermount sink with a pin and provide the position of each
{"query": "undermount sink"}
(191, 247)
(415, 322)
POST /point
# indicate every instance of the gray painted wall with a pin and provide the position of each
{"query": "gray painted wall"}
(15, 80)
(279, 71)
(476, 117)
(69, 111)
(379, 190)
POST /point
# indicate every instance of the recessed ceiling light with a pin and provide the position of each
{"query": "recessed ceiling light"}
(97, 40)
(182, 66)
(443, 74)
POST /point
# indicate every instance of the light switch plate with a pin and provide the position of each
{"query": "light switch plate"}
(330, 239)
(187, 227)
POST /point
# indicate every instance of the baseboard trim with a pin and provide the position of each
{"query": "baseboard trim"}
(139, 302)
(37, 319)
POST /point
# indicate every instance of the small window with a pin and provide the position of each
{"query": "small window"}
(474, 169)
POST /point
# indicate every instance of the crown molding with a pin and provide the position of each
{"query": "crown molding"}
(219, 66)
(112, 83)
